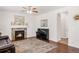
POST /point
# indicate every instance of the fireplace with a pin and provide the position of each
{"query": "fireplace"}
(19, 35)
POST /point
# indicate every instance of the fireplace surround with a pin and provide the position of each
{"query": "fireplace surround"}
(19, 33)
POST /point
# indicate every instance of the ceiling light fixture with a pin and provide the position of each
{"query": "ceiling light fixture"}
(30, 9)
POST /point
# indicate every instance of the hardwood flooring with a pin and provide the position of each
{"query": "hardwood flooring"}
(62, 48)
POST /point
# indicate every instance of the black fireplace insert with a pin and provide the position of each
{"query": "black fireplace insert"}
(19, 35)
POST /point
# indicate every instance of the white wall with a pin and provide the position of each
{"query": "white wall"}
(31, 25)
(52, 24)
(72, 25)
(7, 17)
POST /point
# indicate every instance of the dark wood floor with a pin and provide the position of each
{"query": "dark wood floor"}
(62, 48)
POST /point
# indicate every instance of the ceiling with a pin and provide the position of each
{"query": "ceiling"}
(41, 9)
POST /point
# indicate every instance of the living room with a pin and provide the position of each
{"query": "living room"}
(61, 23)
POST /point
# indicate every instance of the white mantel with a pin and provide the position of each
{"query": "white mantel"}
(19, 26)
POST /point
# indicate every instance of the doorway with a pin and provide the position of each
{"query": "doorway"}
(62, 28)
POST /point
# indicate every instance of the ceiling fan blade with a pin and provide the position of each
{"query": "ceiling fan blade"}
(35, 11)
(24, 7)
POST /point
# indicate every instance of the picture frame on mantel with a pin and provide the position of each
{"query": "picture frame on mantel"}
(44, 23)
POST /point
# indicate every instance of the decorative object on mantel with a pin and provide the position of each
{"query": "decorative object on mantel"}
(76, 17)
(44, 23)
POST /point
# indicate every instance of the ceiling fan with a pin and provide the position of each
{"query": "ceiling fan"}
(30, 9)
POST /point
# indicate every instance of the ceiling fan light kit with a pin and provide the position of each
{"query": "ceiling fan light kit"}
(30, 9)
(29, 12)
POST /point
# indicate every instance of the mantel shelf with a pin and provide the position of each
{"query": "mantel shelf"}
(20, 26)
